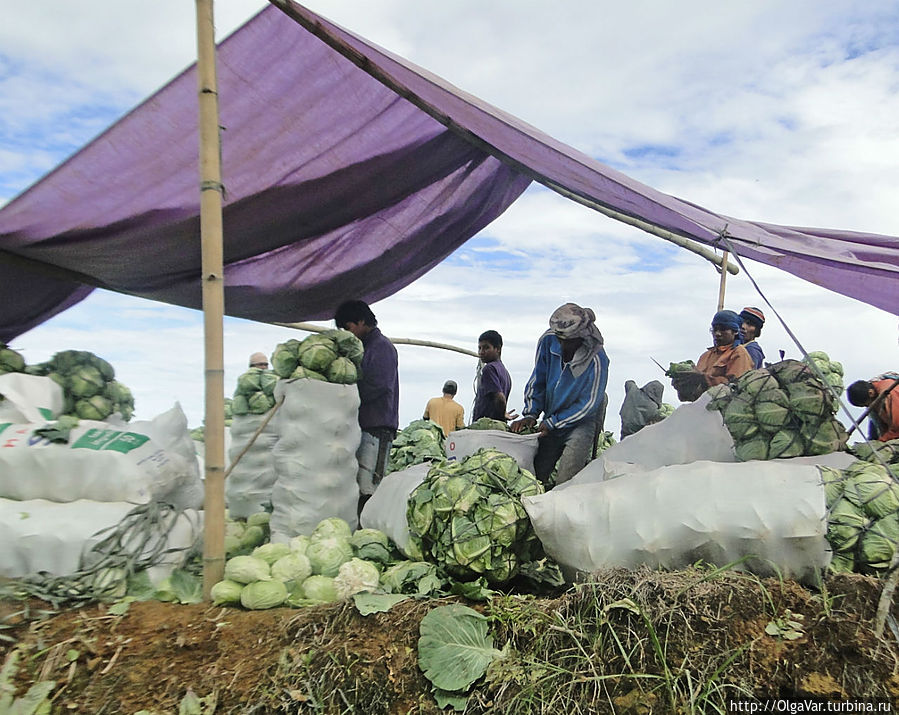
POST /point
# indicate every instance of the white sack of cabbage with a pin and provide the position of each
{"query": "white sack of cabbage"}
(145, 461)
(90, 390)
(691, 433)
(42, 535)
(671, 517)
(385, 510)
(521, 447)
(331, 356)
(863, 516)
(314, 456)
(780, 411)
(248, 488)
(467, 517)
(29, 398)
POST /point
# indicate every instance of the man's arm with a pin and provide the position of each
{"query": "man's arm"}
(499, 406)
(535, 389)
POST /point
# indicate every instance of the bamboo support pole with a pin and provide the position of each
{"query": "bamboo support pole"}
(313, 328)
(721, 285)
(213, 298)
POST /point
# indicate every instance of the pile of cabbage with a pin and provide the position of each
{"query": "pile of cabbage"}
(332, 356)
(255, 392)
(489, 423)
(830, 370)
(780, 411)
(90, 390)
(331, 564)
(420, 441)
(10, 360)
(467, 517)
(863, 511)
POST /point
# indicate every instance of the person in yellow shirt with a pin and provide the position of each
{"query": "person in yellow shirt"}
(445, 411)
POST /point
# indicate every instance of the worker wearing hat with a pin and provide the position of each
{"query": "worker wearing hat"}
(259, 360)
(445, 411)
(723, 362)
(751, 327)
(568, 387)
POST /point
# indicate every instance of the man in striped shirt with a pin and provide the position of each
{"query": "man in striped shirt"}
(568, 388)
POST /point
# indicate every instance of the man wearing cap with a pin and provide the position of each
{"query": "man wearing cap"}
(568, 387)
(723, 362)
(751, 327)
(445, 411)
(259, 360)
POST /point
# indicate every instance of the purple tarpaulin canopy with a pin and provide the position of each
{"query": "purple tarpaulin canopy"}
(340, 182)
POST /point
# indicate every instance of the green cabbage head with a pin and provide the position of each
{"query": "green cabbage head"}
(260, 595)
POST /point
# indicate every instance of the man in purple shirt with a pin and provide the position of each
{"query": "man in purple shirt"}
(378, 394)
(494, 381)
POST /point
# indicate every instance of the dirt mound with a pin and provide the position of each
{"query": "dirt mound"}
(628, 642)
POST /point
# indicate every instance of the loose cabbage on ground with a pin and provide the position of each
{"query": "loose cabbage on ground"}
(421, 441)
(863, 516)
(467, 518)
(90, 390)
(333, 356)
(780, 411)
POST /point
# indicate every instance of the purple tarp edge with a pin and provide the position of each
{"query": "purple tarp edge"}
(336, 187)
(809, 253)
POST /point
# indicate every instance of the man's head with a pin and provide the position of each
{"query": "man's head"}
(753, 320)
(861, 393)
(355, 316)
(449, 387)
(725, 327)
(259, 360)
(490, 346)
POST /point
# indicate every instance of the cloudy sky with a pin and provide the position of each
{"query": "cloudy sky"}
(771, 111)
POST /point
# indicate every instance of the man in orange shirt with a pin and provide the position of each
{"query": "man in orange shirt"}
(881, 394)
(445, 411)
(720, 364)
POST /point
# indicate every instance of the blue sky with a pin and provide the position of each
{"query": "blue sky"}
(781, 112)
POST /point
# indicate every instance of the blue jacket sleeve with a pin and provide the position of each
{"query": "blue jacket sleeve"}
(535, 389)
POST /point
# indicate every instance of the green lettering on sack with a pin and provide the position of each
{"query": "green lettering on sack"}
(96, 439)
(127, 441)
(4, 425)
(46, 413)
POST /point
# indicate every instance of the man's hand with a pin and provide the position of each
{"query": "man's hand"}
(523, 423)
(511, 415)
(542, 430)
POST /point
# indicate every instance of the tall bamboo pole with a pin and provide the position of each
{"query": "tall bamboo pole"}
(213, 298)
(724, 267)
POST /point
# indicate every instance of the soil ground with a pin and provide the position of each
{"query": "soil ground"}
(332, 659)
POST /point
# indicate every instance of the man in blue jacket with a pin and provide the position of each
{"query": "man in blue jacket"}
(568, 387)
(378, 394)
